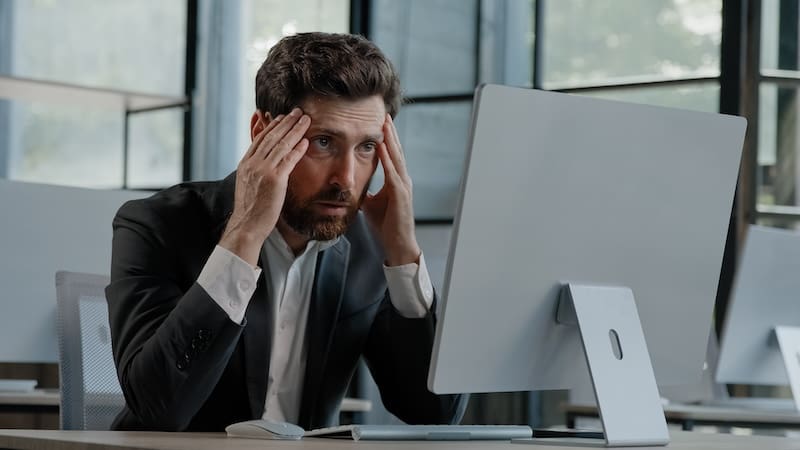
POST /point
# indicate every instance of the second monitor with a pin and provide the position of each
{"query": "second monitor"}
(761, 336)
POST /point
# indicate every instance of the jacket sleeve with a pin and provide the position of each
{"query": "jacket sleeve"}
(398, 353)
(171, 344)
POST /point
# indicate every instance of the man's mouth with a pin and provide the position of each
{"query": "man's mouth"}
(332, 208)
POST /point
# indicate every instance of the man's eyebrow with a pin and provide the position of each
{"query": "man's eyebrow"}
(338, 133)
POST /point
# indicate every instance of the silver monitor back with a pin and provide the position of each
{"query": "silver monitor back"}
(563, 188)
(766, 293)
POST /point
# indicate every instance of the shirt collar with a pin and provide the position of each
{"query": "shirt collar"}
(276, 240)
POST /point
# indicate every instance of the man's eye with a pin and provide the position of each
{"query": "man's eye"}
(322, 142)
(369, 147)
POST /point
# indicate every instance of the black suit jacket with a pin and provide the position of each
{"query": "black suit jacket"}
(184, 365)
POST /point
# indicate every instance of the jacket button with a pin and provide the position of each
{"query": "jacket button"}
(180, 365)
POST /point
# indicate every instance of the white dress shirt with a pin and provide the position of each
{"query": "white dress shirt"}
(231, 282)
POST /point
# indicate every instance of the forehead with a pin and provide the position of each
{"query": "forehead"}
(364, 115)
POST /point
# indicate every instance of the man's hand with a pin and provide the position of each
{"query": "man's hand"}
(390, 211)
(261, 180)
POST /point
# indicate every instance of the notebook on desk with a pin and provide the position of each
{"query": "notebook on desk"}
(423, 432)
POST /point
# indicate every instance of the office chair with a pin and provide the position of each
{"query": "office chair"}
(90, 393)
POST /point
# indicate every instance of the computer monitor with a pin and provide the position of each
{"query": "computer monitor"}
(617, 201)
(764, 306)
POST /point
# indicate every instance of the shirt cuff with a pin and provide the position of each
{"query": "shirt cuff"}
(229, 281)
(410, 288)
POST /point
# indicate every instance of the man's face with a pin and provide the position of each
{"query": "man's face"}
(329, 183)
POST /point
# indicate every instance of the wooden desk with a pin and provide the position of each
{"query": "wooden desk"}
(688, 416)
(128, 440)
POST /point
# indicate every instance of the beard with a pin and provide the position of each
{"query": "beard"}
(300, 216)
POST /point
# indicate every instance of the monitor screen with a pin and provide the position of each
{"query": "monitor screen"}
(561, 188)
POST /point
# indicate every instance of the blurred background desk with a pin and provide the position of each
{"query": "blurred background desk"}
(47, 401)
(689, 416)
(37, 401)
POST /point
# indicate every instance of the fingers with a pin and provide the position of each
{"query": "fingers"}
(289, 161)
(260, 136)
(394, 149)
(390, 174)
(289, 142)
(278, 133)
(272, 124)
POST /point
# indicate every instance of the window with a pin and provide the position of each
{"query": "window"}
(442, 50)
(777, 171)
(589, 42)
(663, 52)
(121, 45)
(266, 23)
(238, 37)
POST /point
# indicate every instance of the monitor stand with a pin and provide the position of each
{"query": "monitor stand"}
(787, 339)
(622, 376)
(789, 342)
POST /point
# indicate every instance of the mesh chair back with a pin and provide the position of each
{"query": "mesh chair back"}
(90, 394)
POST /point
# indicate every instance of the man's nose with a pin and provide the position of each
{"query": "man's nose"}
(344, 171)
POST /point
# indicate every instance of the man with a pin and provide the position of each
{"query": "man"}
(255, 296)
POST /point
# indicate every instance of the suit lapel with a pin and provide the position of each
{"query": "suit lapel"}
(326, 300)
(258, 343)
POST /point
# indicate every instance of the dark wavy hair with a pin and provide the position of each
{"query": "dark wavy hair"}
(328, 65)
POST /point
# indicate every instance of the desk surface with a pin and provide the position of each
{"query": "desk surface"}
(127, 440)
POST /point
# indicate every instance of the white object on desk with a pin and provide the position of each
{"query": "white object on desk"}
(265, 429)
(425, 432)
(45, 398)
(355, 405)
(765, 404)
(17, 385)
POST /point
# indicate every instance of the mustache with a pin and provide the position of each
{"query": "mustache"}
(333, 194)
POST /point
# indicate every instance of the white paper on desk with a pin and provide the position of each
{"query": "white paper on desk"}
(17, 385)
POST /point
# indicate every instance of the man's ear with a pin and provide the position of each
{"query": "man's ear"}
(258, 121)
